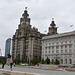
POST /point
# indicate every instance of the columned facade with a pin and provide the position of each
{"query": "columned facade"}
(59, 46)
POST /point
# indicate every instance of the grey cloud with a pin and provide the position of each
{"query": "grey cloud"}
(41, 13)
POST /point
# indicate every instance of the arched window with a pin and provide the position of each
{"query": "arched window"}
(70, 61)
(65, 61)
(61, 61)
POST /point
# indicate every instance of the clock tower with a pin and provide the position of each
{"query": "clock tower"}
(25, 18)
(52, 28)
(26, 42)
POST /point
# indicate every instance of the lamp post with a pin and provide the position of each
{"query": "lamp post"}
(0, 52)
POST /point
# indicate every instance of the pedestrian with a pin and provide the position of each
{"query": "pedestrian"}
(3, 64)
(11, 66)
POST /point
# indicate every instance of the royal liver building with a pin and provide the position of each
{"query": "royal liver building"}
(26, 43)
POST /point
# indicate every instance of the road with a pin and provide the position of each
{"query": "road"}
(40, 71)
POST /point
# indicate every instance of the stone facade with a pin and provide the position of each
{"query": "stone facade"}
(61, 47)
(26, 43)
(52, 28)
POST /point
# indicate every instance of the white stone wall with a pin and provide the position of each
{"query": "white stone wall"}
(61, 47)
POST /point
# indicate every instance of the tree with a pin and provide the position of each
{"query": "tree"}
(47, 60)
(3, 61)
(25, 61)
(28, 61)
(35, 61)
(52, 61)
(22, 60)
(57, 62)
(17, 61)
(42, 61)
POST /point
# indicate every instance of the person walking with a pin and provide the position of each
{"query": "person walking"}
(11, 66)
(3, 64)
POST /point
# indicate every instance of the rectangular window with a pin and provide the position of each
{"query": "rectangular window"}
(70, 55)
(57, 51)
(57, 39)
(61, 47)
(57, 43)
(65, 42)
(74, 41)
(57, 47)
(49, 44)
(65, 55)
(70, 46)
(70, 42)
(61, 43)
(49, 52)
(45, 56)
(70, 51)
(52, 44)
(61, 55)
(46, 52)
(57, 55)
(52, 56)
(65, 51)
(52, 47)
(46, 44)
(74, 61)
(45, 48)
(52, 51)
(61, 51)
(65, 46)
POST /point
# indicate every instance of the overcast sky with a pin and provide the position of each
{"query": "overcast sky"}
(41, 13)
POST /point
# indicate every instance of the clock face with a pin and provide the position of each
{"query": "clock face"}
(27, 22)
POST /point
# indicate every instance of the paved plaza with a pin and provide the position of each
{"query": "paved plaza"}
(39, 71)
(3, 73)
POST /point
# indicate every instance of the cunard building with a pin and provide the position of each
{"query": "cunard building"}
(59, 46)
(26, 43)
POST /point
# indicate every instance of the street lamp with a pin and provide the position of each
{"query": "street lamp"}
(0, 52)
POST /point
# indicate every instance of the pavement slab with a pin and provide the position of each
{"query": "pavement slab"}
(2, 73)
(8, 72)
